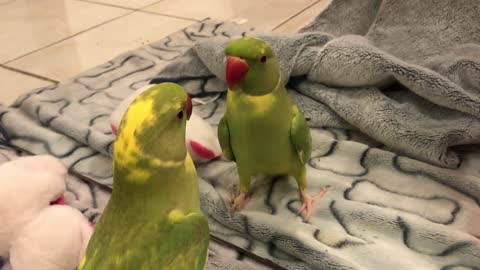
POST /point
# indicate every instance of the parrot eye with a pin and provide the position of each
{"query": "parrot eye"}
(180, 115)
(263, 59)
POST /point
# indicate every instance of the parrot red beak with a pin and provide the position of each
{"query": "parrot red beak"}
(189, 107)
(236, 70)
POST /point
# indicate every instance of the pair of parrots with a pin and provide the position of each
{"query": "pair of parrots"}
(148, 224)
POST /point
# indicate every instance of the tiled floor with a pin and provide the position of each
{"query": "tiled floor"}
(45, 41)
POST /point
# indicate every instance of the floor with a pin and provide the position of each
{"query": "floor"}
(48, 41)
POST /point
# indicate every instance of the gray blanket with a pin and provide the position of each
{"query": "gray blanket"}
(389, 89)
(424, 55)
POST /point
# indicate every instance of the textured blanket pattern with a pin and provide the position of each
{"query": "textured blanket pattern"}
(383, 210)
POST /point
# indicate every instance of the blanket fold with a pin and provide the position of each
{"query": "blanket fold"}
(355, 67)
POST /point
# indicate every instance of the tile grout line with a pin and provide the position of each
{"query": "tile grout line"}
(65, 38)
(83, 31)
(29, 73)
(168, 15)
(141, 9)
(296, 14)
(108, 5)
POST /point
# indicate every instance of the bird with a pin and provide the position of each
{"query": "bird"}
(263, 130)
(153, 219)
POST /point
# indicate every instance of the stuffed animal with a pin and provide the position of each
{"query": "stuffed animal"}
(37, 231)
(201, 139)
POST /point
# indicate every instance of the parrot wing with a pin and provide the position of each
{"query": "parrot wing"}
(191, 230)
(224, 138)
(300, 135)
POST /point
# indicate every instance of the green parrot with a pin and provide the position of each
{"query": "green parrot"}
(263, 130)
(153, 219)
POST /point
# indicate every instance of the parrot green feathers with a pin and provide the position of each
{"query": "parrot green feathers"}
(153, 219)
(263, 130)
(224, 139)
(300, 135)
(263, 73)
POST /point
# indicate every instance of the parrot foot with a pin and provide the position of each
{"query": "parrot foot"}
(307, 203)
(239, 201)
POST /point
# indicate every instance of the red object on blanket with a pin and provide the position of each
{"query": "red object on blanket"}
(60, 201)
(201, 150)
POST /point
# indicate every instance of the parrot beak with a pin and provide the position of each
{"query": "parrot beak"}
(189, 107)
(236, 70)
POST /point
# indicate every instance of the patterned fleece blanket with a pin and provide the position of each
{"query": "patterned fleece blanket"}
(391, 90)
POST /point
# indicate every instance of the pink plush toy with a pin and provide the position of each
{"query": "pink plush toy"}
(35, 234)
(201, 139)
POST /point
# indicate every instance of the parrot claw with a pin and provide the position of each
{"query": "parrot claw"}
(238, 202)
(307, 203)
(232, 197)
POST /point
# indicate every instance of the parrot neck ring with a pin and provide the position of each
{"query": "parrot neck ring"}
(279, 81)
(235, 70)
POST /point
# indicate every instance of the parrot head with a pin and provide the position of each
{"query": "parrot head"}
(251, 66)
(154, 126)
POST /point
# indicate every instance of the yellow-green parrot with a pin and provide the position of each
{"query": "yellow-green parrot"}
(153, 219)
(263, 130)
